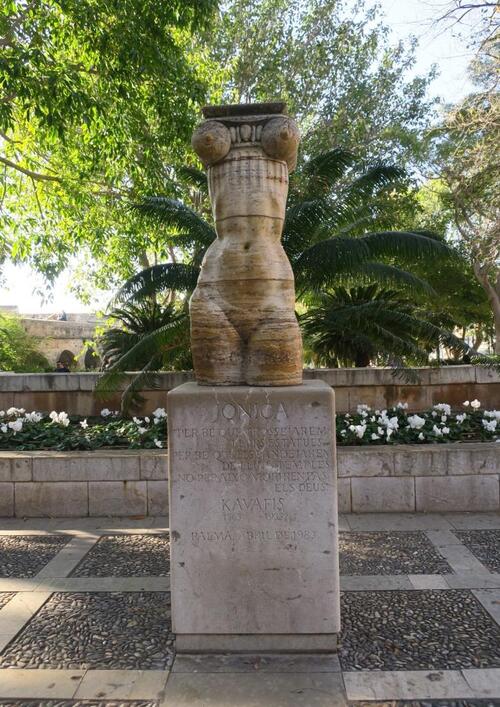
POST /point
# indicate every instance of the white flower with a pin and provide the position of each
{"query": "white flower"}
(446, 430)
(380, 431)
(421, 436)
(158, 443)
(433, 413)
(137, 420)
(495, 414)
(475, 404)
(105, 412)
(146, 419)
(84, 424)
(159, 413)
(443, 418)
(374, 436)
(461, 418)
(343, 432)
(372, 418)
(402, 406)
(437, 431)
(466, 403)
(389, 432)
(352, 428)
(63, 419)
(16, 426)
(141, 430)
(360, 430)
(443, 407)
(4, 428)
(33, 416)
(416, 422)
(12, 411)
(489, 426)
(2, 413)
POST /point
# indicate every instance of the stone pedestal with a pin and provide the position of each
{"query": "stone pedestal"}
(253, 517)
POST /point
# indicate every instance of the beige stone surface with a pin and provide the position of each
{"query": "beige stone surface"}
(14, 467)
(253, 510)
(380, 494)
(267, 690)
(406, 685)
(40, 684)
(364, 462)
(457, 493)
(154, 466)
(122, 685)
(243, 324)
(117, 498)
(344, 495)
(6, 499)
(158, 497)
(53, 499)
(92, 466)
(419, 462)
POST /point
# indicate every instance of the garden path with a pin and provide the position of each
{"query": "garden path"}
(85, 620)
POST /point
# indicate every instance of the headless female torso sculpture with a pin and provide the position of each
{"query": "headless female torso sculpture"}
(243, 324)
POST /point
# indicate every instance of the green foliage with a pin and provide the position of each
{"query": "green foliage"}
(96, 98)
(61, 432)
(334, 64)
(21, 431)
(18, 350)
(397, 426)
(360, 325)
(146, 337)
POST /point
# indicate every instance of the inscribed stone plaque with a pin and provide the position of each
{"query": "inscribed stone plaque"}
(253, 512)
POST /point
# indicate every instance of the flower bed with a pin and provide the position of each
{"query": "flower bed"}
(438, 425)
(58, 431)
(32, 431)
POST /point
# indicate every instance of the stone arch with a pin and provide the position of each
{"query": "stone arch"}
(68, 358)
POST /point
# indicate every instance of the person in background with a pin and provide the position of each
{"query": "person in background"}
(61, 367)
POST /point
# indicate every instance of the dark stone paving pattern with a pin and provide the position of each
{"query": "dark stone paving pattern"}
(5, 597)
(109, 630)
(127, 556)
(484, 544)
(390, 553)
(76, 703)
(24, 556)
(428, 703)
(417, 630)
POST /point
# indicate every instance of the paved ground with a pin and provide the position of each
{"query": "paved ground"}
(85, 620)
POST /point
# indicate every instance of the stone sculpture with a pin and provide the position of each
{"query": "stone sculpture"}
(243, 324)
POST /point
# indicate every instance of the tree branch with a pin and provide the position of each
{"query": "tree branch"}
(30, 173)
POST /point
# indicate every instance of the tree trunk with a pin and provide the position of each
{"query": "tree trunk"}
(493, 292)
(362, 360)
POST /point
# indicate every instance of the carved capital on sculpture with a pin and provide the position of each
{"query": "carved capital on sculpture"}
(229, 128)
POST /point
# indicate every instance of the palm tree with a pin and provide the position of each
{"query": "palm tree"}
(359, 325)
(332, 204)
(147, 337)
(325, 236)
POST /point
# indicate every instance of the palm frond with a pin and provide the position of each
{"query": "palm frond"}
(180, 277)
(319, 264)
(412, 245)
(323, 170)
(174, 214)
(195, 177)
(384, 274)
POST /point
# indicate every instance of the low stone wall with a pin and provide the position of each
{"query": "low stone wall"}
(399, 478)
(378, 387)
(100, 483)
(423, 478)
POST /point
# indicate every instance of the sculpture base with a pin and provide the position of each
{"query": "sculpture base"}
(253, 516)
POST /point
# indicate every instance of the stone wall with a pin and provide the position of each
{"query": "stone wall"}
(399, 478)
(55, 336)
(377, 387)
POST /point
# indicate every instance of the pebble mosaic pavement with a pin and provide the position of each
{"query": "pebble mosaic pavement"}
(89, 621)
(24, 556)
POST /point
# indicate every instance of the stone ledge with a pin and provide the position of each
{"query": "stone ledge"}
(396, 478)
